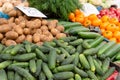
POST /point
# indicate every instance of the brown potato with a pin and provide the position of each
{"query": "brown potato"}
(46, 32)
(10, 42)
(3, 21)
(17, 21)
(44, 22)
(18, 29)
(43, 37)
(11, 35)
(26, 31)
(1, 36)
(55, 31)
(36, 37)
(37, 23)
(33, 31)
(5, 28)
(60, 28)
(19, 13)
(20, 39)
(60, 35)
(39, 31)
(29, 38)
(52, 23)
(22, 24)
(3, 40)
(12, 13)
(44, 28)
(11, 20)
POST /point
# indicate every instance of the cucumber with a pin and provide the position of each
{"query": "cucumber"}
(32, 65)
(47, 71)
(68, 60)
(59, 43)
(4, 64)
(118, 56)
(77, 30)
(63, 68)
(52, 59)
(41, 55)
(98, 67)
(39, 67)
(10, 75)
(69, 38)
(79, 48)
(6, 57)
(28, 48)
(17, 77)
(24, 57)
(108, 73)
(63, 75)
(96, 41)
(90, 51)
(106, 47)
(64, 52)
(106, 64)
(7, 48)
(42, 76)
(70, 49)
(69, 25)
(76, 42)
(1, 48)
(21, 64)
(46, 44)
(92, 66)
(92, 75)
(76, 60)
(16, 49)
(84, 61)
(112, 51)
(43, 48)
(88, 35)
(60, 58)
(86, 43)
(3, 75)
(78, 77)
(81, 72)
(22, 72)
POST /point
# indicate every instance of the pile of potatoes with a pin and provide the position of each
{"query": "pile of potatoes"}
(8, 6)
(36, 30)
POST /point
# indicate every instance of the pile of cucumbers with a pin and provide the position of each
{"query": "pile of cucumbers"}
(83, 57)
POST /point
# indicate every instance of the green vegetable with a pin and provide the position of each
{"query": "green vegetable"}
(28, 47)
(92, 75)
(64, 52)
(32, 65)
(69, 38)
(17, 77)
(42, 76)
(10, 75)
(3, 75)
(76, 42)
(86, 43)
(79, 48)
(106, 64)
(4, 64)
(21, 64)
(38, 67)
(77, 77)
(91, 62)
(76, 60)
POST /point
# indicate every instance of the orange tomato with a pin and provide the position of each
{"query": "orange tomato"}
(114, 20)
(96, 22)
(104, 25)
(87, 23)
(71, 16)
(113, 39)
(78, 12)
(118, 24)
(73, 20)
(92, 17)
(102, 30)
(108, 34)
(79, 19)
(116, 34)
(105, 18)
(111, 27)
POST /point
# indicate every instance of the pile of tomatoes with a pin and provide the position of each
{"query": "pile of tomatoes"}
(109, 26)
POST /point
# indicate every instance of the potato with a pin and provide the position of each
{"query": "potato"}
(60, 35)
(39, 31)
(46, 32)
(37, 23)
(12, 13)
(54, 31)
(18, 29)
(20, 39)
(1, 4)
(33, 31)
(44, 22)
(43, 37)
(7, 7)
(29, 38)
(26, 4)
(3, 40)
(11, 20)
(5, 28)
(39, 43)
(22, 19)
(19, 13)
(17, 21)
(22, 24)
(52, 23)
(1, 36)
(11, 35)
(44, 28)
(10, 42)
(36, 37)
(50, 38)
(3, 21)
(26, 31)
(60, 28)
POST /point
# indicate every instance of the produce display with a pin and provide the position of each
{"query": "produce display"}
(84, 57)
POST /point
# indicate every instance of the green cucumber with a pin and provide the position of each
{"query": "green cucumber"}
(118, 56)
(21, 71)
(86, 43)
(84, 61)
(43, 48)
(25, 57)
(88, 35)
(46, 44)
(7, 48)
(52, 58)
(21, 64)
(76, 42)
(70, 49)
(42, 76)
(17, 77)
(81, 72)
(3, 75)
(41, 55)
(47, 71)
(63, 75)
(4, 64)
(10, 75)
(79, 48)
(28, 47)
(78, 77)
(106, 47)
(1, 48)
(32, 65)
(38, 67)
(90, 60)
(60, 58)
(64, 51)
(106, 64)
(6, 57)
(108, 73)
(92, 75)
(69, 38)
(69, 25)
(68, 60)
(90, 51)
(76, 60)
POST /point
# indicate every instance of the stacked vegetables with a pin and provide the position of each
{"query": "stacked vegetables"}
(83, 57)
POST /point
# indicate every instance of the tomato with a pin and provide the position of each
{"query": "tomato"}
(78, 12)
(71, 16)
(104, 25)
(87, 23)
(102, 30)
(116, 34)
(92, 17)
(96, 22)
(113, 39)
(108, 34)
(114, 21)
(105, 18)
(79, 19)
(111, 27)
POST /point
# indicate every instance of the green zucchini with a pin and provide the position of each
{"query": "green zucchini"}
(7, 48)
(90, 51)
(3, 75)
(32, 65)
(70, 49)
(64, 51)
(4, 64)
(10, 75)
(69, 25)
(118, 56)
